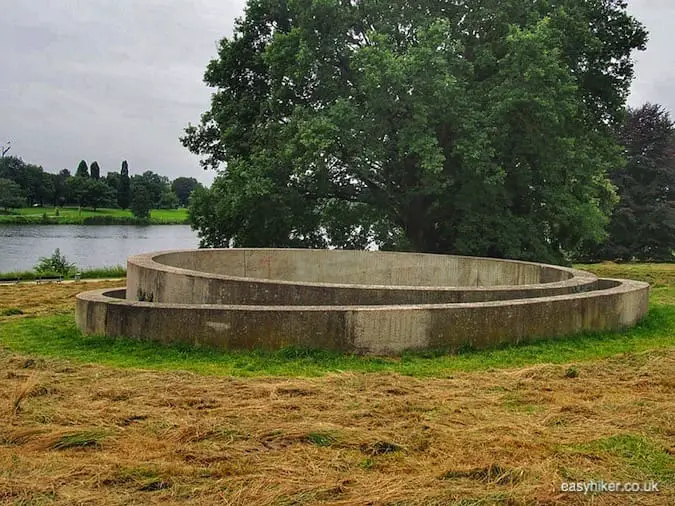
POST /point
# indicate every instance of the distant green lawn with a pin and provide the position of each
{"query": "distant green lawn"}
(74, 215)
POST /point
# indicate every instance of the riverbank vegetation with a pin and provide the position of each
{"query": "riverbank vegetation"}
(25, 184)
(56, 267)
(83, 216)
(500, 426)
(96, 273)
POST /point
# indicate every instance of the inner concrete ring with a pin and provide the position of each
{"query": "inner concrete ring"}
(323, 278)
(354, 301)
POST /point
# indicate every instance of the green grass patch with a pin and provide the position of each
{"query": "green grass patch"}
(76, 216)
(322, 439)
(83, 439)
(638, 454)
(10, 311)
(58, 336)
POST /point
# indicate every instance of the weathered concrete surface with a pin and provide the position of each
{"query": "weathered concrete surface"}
(318, 277)
(580, 303)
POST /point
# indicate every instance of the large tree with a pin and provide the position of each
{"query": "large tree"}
(643, 224)
(11, 195)
(478, 127)
(154, 184)
(183, 188)
(141, 203)
(88, 192)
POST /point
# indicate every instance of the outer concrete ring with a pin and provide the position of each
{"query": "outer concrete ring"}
(377, 330)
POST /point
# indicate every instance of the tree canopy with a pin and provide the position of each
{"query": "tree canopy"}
(643, 224)
(479, 128)
(82, 169)
(11, 195)
(183, 188)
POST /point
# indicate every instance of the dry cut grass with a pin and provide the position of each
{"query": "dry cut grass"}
(49, 298)
(84, 434)
(73, 434)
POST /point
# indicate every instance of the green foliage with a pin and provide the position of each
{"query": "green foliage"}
(60, 182)
(88, 192)
(112, 179)
(124, 188)
(169, 200)
(183, 188)
(642, 227)
(36, 185)
(56, 263)
(82, 169)
(156, 188)
(95, 170)
(10, 195)
(479, 128)
(141, 203)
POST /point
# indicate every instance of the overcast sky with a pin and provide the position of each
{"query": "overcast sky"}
(109, 80)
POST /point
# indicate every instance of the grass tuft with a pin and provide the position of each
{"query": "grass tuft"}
(78, 439)
(11, 311)
(380, 448)
(572, 372)
(493, 474)
(321, 439)
(22, 393)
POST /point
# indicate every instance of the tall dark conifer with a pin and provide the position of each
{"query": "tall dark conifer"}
(95, 170)
(124, 189)
(82, 169)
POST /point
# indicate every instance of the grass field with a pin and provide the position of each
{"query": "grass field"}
(75, 216)
(100, 421)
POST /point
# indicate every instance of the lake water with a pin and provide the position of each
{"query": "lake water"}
(87, 246)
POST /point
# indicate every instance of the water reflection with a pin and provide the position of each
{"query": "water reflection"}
(87, 246)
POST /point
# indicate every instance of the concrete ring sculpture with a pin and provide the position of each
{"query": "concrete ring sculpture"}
(377, 303)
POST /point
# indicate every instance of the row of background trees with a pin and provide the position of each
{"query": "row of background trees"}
(23, 183)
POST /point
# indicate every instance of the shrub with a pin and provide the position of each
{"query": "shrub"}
(56, 263)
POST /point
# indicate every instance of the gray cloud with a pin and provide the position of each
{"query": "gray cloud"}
(655, 68)
(112, 79)
(107, 79)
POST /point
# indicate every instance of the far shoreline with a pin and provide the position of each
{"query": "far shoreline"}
(84, 216)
